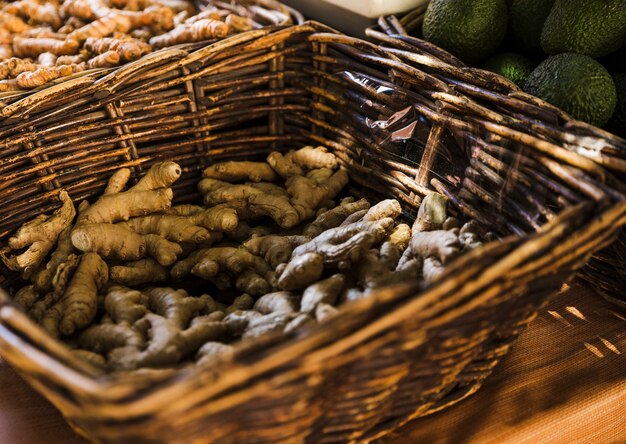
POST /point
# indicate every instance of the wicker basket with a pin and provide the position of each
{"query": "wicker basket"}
(512, 108)
(406, 351)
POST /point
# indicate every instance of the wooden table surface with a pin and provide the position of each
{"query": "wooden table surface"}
(563, 382)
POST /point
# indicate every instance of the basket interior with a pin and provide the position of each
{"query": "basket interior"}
(278, 89)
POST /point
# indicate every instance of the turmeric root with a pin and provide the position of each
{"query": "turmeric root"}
(12, 23)
(32, 47)
(194, 32)
(47, 59)
(39, 236)
(35, 11)
(41, 76)
(238, 23)
(119, 243)
(104, 60)
(127, 49)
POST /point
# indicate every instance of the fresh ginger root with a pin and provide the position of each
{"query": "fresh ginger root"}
(193, 228)
(118, 242)
(39, 237)
(335, 216)
(269, 233)
(273, 248)
(150, 195)
(295, 163)
(240, 171)
(175, 305)
(139, 272)
(208, 262)
(77, 308)
(125, 305)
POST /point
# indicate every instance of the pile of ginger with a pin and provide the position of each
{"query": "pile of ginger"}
(131, 281)
(42, 40)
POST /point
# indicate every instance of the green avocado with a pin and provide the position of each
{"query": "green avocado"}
(577, 84)
(526, 18)
(514, 67)
(591, 27)
(472, 30)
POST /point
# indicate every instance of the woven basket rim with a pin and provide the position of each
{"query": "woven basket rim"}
(575, 227)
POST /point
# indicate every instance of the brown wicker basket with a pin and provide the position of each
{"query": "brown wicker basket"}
(510, 107)
(406, 351)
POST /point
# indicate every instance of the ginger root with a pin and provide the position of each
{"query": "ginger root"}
(77, 308)
(39, 237)
(118, 242)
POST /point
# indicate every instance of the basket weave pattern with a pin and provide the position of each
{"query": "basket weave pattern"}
(513, 108)
(404, 352)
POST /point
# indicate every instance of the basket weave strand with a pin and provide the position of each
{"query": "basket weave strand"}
(402, 353)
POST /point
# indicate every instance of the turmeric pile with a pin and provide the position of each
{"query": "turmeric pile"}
(133, 281)
(44, 41)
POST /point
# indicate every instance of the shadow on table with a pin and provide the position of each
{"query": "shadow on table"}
(574, 350)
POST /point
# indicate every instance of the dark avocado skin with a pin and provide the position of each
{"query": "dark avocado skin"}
(513, 66)
(472, 30)
(592, 27)
(526, 18)
(577, 84)
(617, 124)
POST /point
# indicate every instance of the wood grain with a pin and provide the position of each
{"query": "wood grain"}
(564, 381)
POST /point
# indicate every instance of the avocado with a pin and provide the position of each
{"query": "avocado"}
(514, 67)
(526, 18)
(577, 84)
(617, 124)
(591, 27)
(470, 29)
